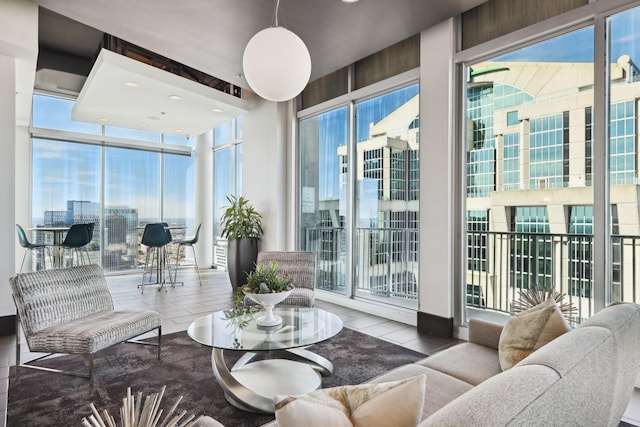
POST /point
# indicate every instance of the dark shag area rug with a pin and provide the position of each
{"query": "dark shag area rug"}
(47, 399)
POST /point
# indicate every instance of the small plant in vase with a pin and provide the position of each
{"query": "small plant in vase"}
(267, 287)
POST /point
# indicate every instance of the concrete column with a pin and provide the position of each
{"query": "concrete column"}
(204, 198)
(437, 165)
(264, 170)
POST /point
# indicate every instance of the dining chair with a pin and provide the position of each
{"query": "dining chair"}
(155, 238)
(77, 239)
(30, 247)
(190, 243)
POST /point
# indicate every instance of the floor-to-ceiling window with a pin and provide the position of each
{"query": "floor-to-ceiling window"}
(386, 212)
(359, 197)
(124, 171)
(65, 188)
(575, 129)
(526, 141)
(81, 173)
(623, 30)
(323, 180)
(227, 178)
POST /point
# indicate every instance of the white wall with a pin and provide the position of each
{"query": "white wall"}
(18, 55)
(437, 167)
(7, 178)
(264, 170)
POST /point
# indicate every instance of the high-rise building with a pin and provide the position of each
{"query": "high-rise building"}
(529, 176)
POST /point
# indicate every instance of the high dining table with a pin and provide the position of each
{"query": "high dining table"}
(57, 233)
(159, 270)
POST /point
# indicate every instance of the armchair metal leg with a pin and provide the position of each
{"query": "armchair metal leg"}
(156, 344)
(17, 346)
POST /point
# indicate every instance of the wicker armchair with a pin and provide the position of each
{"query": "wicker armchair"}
(301, 267)
(70, 310)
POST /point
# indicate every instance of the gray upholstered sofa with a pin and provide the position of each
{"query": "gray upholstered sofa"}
(70, 310)
(582, 378)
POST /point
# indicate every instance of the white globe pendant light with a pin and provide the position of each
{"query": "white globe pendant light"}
(276, 63)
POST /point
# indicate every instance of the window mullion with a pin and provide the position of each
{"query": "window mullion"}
(600, 147)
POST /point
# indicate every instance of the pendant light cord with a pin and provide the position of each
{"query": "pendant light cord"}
(277, 6)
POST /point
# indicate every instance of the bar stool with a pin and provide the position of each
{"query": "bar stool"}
(181, 244)
(155, 238)
(77, 239)
(30, 247)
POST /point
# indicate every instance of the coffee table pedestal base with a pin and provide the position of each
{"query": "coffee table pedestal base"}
(252, 386)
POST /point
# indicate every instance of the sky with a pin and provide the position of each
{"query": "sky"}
(577, 46)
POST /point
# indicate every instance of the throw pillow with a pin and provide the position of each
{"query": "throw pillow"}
(390, 404)
(529, 330)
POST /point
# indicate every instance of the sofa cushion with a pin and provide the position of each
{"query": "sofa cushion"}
(529, 330)
(456, 360)
(498, 400)
(443, 388)
(484, 333)
(397, 403)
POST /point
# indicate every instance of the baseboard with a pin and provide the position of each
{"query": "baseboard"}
(8, 325)
(431, 324)
(395, 313)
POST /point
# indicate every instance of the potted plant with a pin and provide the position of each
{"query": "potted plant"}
(267, 287)
(242, 227)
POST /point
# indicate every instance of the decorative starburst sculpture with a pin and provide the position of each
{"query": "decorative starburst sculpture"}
(536, 295)
(135, 413)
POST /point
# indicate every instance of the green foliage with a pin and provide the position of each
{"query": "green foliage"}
(240, 219)
(240, 315)
(266, 279)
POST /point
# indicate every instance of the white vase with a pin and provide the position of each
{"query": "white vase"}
(268, 301)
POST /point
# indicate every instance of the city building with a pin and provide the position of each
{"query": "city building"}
(529, 171)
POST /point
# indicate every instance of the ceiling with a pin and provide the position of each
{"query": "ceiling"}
(210, 35)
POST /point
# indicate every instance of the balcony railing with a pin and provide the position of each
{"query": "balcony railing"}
(386, 262)
(500, 264)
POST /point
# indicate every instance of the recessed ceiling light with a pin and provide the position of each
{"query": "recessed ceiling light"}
(178, 130)
(131, 84)
(144, 125)
(217, 110)
(103, 119)
(349, 1)
(175, 97)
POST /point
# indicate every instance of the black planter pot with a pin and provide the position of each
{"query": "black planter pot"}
(242, 255)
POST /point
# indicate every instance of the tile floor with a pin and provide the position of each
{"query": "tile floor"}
(179, 306)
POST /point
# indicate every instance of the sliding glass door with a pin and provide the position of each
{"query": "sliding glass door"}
(387, 190)
(359, 196)
(323, 196)
(624, 94)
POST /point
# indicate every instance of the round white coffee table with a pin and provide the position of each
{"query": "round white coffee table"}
(288, 370)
